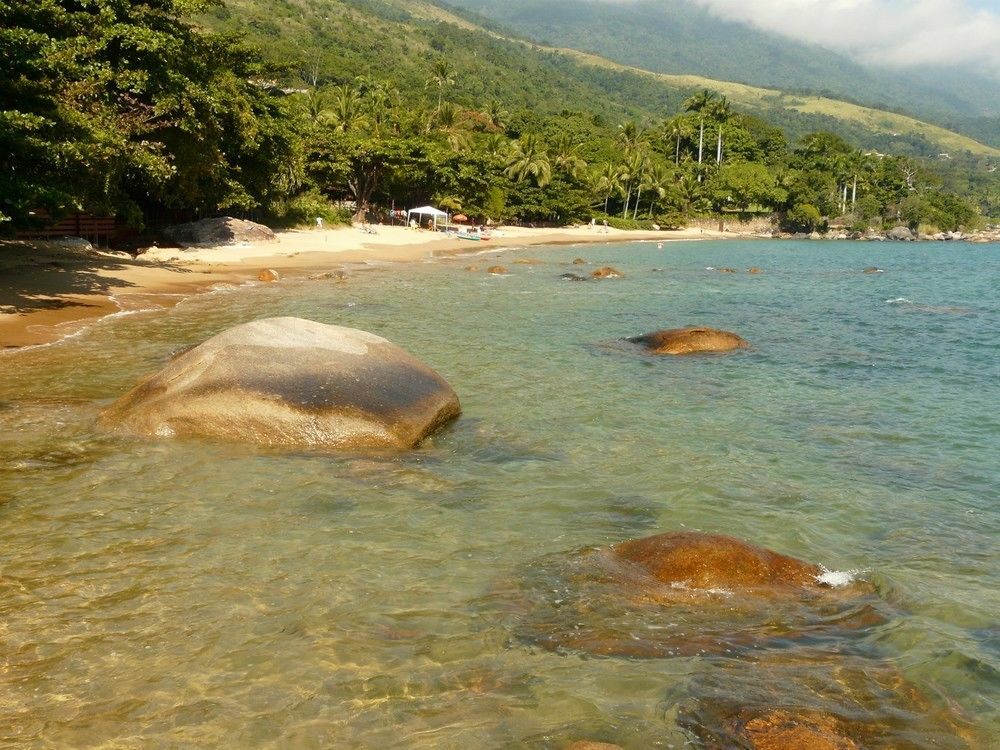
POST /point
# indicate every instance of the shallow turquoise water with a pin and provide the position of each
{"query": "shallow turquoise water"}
(204, 595)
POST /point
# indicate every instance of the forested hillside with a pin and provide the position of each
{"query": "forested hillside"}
(142, 110)
(681, 37)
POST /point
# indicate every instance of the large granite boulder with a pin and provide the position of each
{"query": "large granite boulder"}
(685, 593)
(902, 234)
(291, 382)
(690, 340)
(222, 230)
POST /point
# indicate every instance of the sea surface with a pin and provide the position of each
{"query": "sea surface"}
(190, 594)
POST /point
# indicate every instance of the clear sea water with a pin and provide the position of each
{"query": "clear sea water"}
(185, 594)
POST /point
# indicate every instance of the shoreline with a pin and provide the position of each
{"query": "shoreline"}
(51, 292)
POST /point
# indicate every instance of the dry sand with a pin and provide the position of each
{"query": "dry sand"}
(48, 291)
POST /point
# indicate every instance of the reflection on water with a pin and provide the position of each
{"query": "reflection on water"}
(191, 594)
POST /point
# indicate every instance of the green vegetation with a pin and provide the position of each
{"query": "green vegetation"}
(144, 111)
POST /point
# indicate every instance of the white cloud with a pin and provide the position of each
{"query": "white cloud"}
(894, 32)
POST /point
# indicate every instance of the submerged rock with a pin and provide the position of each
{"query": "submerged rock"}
(815, 701)
(607, 272)
(496, 270)
(579, 262)
(291, 382)
(690, 340)
(684, 593)
(572, 277)
(754, 269)
(223, 230)
(873, 269)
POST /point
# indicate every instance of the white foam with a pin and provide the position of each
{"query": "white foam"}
(837, 578)
(899, 301)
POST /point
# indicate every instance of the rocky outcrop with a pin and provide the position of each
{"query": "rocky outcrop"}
(873, 269)
(607, 272)
(690, 340)
(900, 234)
(223, 230)
(290, 382)
(496, 270)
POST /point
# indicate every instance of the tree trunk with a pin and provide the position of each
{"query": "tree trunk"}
(628, 199)
(701, 139)
(677, 152)
(718, 152)
(635, 212)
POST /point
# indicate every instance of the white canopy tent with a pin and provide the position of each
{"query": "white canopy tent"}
(435, 213)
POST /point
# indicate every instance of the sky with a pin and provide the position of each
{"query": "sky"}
(900, 33)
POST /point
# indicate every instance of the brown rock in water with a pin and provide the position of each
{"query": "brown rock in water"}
(607, 272)
(496, 270)
(714, 561)
(528, 262)
(268, 275)
(579, 262)
(685, 593)
(290, 382)
(572, 277)
(783, 730)
(808, 700)
(726, 270)
(472, 268)
(873, 269)
(691, 340)
(754, 269)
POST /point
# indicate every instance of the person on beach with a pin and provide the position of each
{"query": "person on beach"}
(593, 223)
(319, 222)
(605, 229)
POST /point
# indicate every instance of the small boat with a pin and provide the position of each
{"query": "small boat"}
(468, 236)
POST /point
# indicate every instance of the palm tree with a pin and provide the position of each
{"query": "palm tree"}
(448, 120)
(660, 180)
(442, 76)
(606, 182)
(630, 135)
(528, 158)
(314, 106)
(496, 115)
(677, 129)
(700, 103)
(346, 111)
(567, 157)
(496, 145)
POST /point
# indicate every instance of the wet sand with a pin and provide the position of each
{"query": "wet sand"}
(48, 291)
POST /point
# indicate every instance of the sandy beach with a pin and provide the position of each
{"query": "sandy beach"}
(48, 292)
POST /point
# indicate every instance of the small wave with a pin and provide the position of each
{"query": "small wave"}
(837, 578)
(899, 301)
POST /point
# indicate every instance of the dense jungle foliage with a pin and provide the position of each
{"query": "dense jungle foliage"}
(147, 109)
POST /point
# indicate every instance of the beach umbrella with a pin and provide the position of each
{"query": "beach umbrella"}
(460, 218)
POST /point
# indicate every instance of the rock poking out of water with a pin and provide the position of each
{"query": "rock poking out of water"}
(291, 382)
(713, 561)
(754, 269)
(268, 275)
(685, 593)
(223, 230)
(792, 700)
(496, 270)
(692, 340)
(579, 262)
(873, 269)
(572, 277)
(472, 268)
(726, 270)
(607, 272)
(338, 276)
